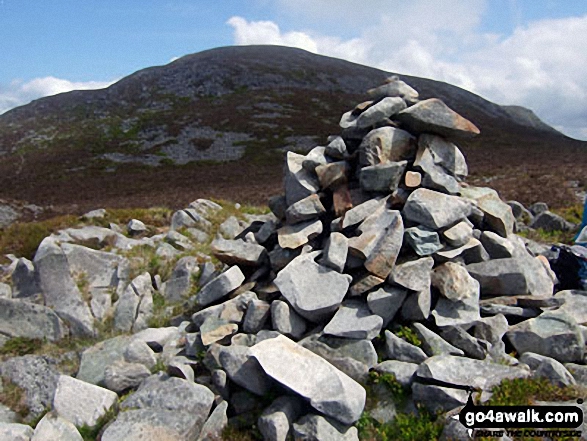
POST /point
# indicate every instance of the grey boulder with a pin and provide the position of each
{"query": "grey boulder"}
(314, 291)
(328, 390)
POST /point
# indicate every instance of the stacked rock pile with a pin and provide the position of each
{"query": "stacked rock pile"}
(376, 236)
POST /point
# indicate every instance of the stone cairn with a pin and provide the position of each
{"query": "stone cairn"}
(376, 238)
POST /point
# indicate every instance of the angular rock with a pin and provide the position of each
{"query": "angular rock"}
(423, 240)
(333, 349)
(433, 116)
(329, 390)
(438, 399)
(97, 358)
(383, 178)
(417, 305)
(153, 425)
(549, 221)
(385, 108)
(574, 304)
(336, 148)
(160, 392)
(257, 314)
(442, 153)
(360, 212)
(53, 427)
(454, 282)
(305, 209)
(294, 236)
(412, 179)
(461, 339)
(354, 320)
(386, 144)
(548, 368)
(276, 420)
(332, 175)
(394, 87)
(458, 235)
(244, 370)
(232, 310)
(435, 210)
(135, 227)
(386, 302)
(491, 329)
(401, 370)
(25, 283)
(553, 334)
(215, 329)
(82, 403)
(135, 304)
(215, 424)
(60, 291)
(286, 321)
(23, 319)
(381, 261)
(462, 371)
(122, 375)
(498, 247)
(335, 252)
(299, 183)
(413, 275)
(399, 349)
(432, 343)
(238, 252)
(221, 285)
(314, 291)
(512, 276)
(230, 228)
(498, 215)
(139, 351)
(365, 284)
(313, 427)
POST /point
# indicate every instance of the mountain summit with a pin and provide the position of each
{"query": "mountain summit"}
(216, 123)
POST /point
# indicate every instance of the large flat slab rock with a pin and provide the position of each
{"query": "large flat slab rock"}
(329, 390)
(433, 116)
(82, 403)
(434, 209)
(22, 319)
(314, 290)
(97, 358)
(553, 334)
(512, 276)
(153, 425)
(238, 252)
(463, 371)
(354, 320)
(221, 285)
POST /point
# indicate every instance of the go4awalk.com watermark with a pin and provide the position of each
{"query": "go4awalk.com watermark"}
(554, 422)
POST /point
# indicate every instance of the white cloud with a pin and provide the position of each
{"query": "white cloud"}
(540, 66)
(19, 92)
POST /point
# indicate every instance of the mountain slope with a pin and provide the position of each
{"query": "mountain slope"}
(216, 123)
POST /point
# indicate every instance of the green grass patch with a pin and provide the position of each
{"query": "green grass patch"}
(13, 397)
(19, 346)
(405, 427)
(526, 391)
(91, 433)
(548, 237)
(409, 335)
(23, 238)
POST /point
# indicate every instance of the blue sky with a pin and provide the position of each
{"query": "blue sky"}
(525, 52)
